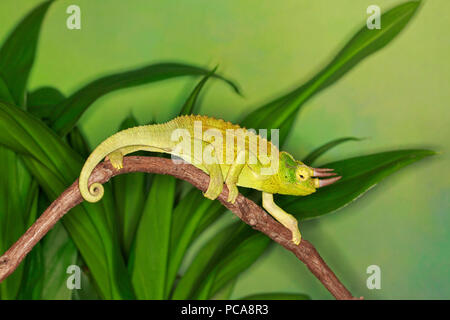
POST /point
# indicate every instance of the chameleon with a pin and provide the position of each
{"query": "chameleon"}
(290, 177)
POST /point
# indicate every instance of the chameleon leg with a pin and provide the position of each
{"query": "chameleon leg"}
(281, 216)
(215, 181)
(233, 176)
(215, 174)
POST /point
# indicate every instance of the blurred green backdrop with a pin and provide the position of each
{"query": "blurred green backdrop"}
(397, 97)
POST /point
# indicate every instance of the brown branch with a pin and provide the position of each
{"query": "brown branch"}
(245, 209)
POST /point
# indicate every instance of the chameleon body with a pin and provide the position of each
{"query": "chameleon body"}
(291, 177)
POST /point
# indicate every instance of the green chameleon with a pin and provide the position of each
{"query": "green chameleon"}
(290, 177)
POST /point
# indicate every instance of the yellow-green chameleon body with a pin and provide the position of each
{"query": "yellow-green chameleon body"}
(291, 177)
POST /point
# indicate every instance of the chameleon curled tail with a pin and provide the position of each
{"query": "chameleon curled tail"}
(156, 138)
(95, 191)
(115, 147)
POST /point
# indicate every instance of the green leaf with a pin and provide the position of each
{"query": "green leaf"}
(186, 217)
(151, 251)
(359, 175)
(18, 52)
(55, 166)
(192, 209)
(226, 292)
(16, 60)
(280, 113)
(88, 290)
(220, 261)
(238, 257)
(310, 158)
(33, 277)
(5, 94)
(78, 142)
(75, 105)
(277, 296)
(195, 274)
(58, 252)
(189, 105)
(44, 101)
(193, 215)
(12, 222)
(129, 198)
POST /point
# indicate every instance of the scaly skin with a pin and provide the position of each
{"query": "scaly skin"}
(292, 177)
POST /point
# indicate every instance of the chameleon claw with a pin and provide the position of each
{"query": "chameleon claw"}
(116, 164)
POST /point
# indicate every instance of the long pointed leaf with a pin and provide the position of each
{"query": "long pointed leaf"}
(12, 224)
(16, 60)
(189, 105)
(55, 166)
(311, 157)
(191, 209)
(280, 113)
(41, 102)
(5, 94)
(202, 264)
(68, 113)
(129, 198)
(58, 253)
(359, 175)
(238, 257)
(151, 251)
(187, 215)
(78, 142)
(18, 52)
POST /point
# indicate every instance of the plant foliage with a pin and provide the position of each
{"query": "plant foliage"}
(133, 243)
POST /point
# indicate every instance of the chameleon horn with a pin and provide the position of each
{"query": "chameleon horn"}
(326, 182)
(323, 169)
(323, 173)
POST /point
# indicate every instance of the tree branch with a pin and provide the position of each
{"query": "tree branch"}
(245, 209)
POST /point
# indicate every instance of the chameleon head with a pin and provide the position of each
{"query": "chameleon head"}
(298, 179)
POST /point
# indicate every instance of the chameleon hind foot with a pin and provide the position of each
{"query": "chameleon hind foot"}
(215, 187)
(213, 190)
(215, 181)
(116, 159)
(232, 192)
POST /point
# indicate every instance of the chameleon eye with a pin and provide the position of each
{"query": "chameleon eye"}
(302, 175)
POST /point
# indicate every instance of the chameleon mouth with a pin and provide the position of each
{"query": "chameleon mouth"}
(324, 172)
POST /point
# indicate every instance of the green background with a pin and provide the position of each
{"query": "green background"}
(398, 98)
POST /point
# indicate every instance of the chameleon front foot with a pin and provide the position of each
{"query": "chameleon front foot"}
(286, 219)
(296, 236)
(291, 223)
